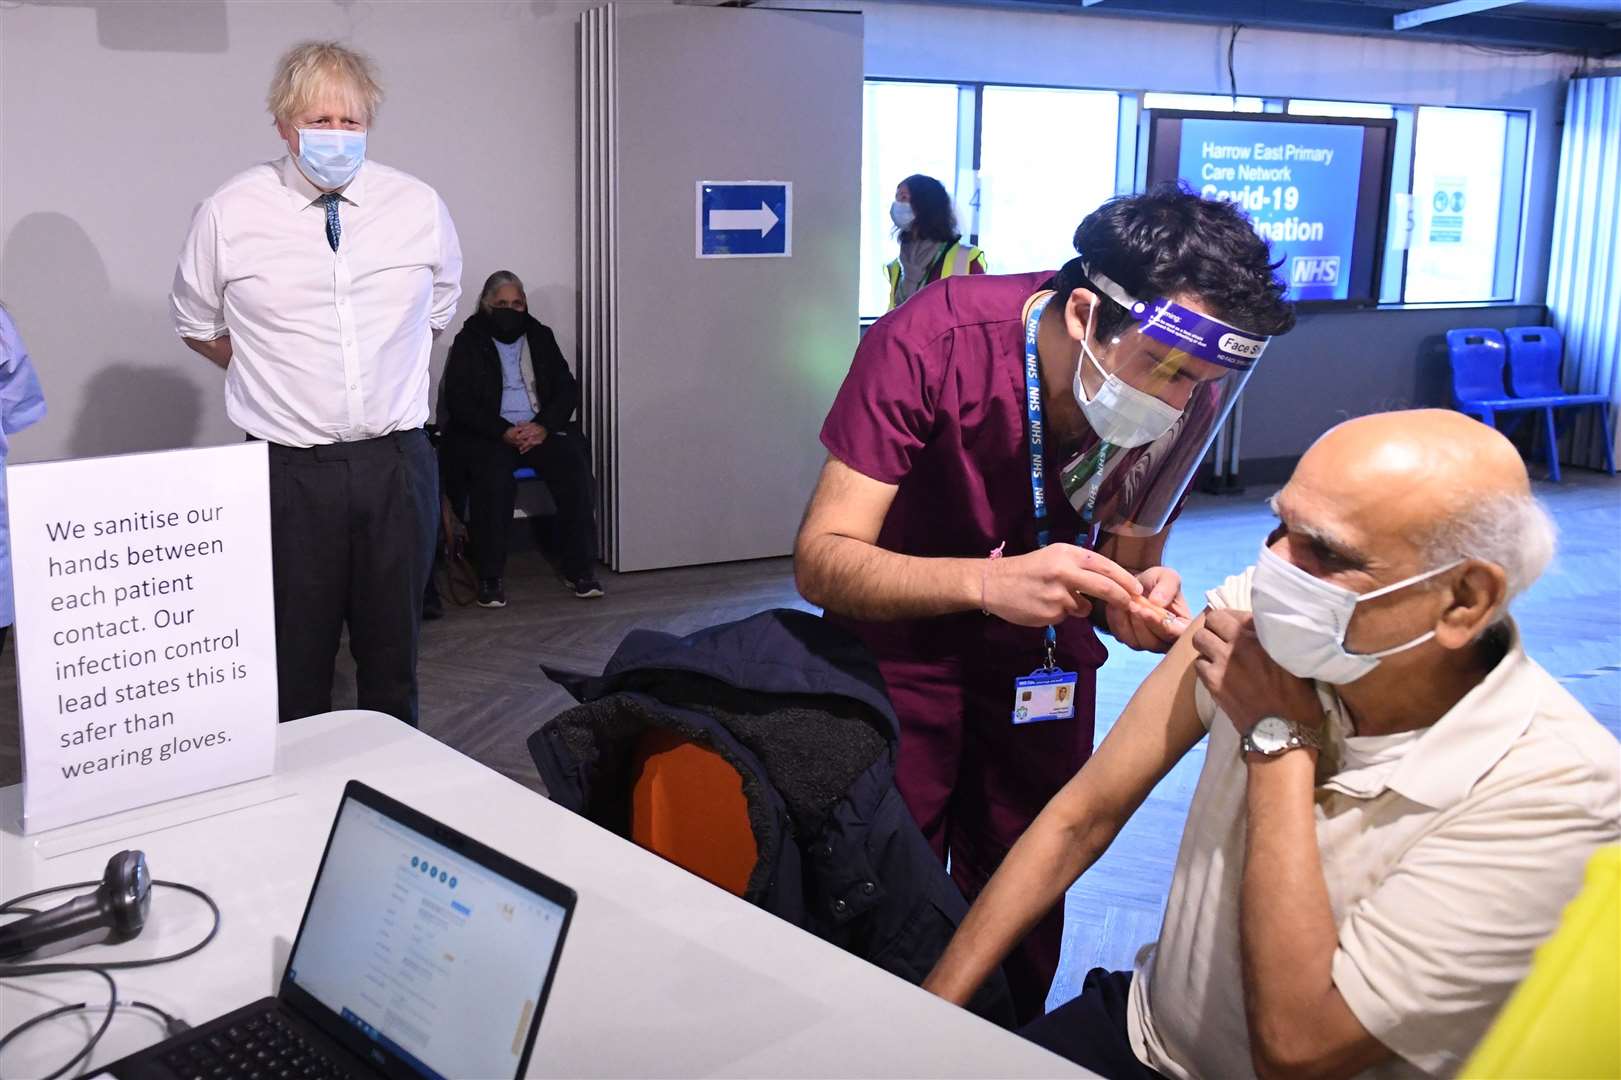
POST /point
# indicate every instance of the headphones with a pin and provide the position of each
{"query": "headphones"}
(117, 909)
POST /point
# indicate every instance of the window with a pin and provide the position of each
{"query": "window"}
(1027, 192)
(1360, 109)
(906, 128)
(1034, 189)
(1203, 102)
(1467, 184)
(1457, 183)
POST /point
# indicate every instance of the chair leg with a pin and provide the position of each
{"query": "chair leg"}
(1553, 445)
(1609, 438)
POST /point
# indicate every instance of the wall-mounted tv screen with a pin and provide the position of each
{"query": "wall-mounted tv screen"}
(1315, 187)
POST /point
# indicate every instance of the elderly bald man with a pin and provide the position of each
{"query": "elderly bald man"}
(318, 282)
(1395, 803)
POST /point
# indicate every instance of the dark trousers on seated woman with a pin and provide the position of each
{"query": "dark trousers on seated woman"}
(563, 461)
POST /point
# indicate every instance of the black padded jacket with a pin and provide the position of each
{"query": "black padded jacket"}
(798, 707)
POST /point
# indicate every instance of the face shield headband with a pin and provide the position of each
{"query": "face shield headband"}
(1193, 332)
(1196, 364)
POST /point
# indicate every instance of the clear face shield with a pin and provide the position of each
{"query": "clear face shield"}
(1154, 396)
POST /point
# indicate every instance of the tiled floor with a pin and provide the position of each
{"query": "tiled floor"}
(483, 692)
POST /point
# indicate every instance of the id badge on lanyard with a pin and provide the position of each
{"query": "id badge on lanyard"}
(1048, 693)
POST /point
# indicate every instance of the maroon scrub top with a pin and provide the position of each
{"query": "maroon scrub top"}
(935, 402)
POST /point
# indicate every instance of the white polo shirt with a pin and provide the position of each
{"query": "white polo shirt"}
(1449, 855)
(327, 346)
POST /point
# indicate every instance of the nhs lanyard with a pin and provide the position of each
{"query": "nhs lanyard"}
(1038, 467)
(1033, 427)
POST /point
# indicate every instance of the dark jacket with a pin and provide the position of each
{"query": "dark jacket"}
(798, 708)
(472, 382)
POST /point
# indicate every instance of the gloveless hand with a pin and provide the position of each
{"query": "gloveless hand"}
(1243, 680)
(1056, 583)
(1139, 626)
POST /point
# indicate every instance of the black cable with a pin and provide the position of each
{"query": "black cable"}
(84, 1052)
(172, 1024)
(1232, 78)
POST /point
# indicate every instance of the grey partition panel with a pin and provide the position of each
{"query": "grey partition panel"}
(596, 261)
(722, 369)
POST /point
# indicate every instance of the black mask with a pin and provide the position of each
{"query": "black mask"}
(507, 324)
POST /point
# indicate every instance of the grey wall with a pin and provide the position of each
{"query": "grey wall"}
(726, 367)
(1335, 365)
(118, 116)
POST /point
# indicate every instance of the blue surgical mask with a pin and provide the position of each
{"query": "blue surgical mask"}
(330, 157)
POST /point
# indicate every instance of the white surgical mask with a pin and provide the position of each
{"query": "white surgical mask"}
(901, 214)
(1301, 620)
(330, 157)
(1119, 413)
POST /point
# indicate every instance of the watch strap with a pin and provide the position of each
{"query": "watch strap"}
(1301, 737)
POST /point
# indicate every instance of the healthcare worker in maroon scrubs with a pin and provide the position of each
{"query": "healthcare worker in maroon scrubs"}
(1004, 458)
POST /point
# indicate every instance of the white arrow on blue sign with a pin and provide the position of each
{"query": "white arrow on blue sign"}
(745, 219)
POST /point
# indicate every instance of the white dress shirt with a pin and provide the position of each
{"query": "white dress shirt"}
(325, 346)
(1448, 853)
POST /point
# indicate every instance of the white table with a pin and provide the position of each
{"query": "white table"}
(663, 975)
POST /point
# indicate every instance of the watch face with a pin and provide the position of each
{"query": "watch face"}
(1271, 735)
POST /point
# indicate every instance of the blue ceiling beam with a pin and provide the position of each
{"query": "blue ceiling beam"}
(1407, 20)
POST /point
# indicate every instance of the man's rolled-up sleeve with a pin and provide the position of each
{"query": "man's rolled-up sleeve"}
(1429, 958)
(197, 299)
(447, 272)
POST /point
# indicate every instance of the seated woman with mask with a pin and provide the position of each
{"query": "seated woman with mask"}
(511, 400)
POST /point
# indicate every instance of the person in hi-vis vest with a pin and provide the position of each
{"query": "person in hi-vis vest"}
(931, 246)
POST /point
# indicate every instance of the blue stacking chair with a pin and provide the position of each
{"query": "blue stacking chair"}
(1535, 354)
(1478, 355)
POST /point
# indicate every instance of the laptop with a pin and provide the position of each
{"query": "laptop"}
(422, 953)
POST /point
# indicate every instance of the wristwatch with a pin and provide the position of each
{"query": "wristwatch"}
(1274, 735)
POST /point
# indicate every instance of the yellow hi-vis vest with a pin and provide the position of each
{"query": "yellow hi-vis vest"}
(955, 259)
(1561, 1020)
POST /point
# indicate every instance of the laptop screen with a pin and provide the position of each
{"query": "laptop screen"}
(435, 957)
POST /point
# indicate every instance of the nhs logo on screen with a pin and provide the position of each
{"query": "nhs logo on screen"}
(1314, 270)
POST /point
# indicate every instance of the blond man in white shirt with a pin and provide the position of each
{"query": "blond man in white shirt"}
(1395, 805)
(318, 282)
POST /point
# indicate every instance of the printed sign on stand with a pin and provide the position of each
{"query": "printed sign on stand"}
(745, 219)
(145, 634)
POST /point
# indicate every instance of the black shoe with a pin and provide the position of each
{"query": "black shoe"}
(432, 608)
(586, 588)
(490, 593)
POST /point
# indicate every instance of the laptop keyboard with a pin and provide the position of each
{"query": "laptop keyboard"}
(262, 1047)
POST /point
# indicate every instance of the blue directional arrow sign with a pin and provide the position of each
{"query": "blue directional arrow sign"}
(745, 219)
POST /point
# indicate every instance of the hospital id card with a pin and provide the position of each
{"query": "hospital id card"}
(1044, 695)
